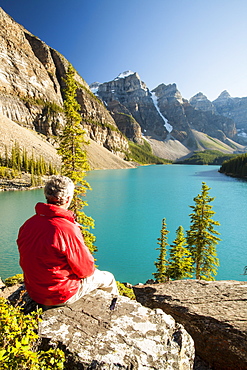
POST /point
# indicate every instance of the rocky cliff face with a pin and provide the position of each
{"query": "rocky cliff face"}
(162, 114)
(31, 85)
(134, 99)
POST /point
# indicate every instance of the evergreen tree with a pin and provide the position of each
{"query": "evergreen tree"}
(201, 237)
(25, 161)
(33, 178)
(161, 263)
(74, 158)
(6, 156)
(180, 261)
(18, 156)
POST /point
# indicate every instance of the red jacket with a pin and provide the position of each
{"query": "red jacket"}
(53, 255)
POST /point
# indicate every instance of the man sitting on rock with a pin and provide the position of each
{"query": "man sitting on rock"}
(58, 267)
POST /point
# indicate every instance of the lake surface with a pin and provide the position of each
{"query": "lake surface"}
(128, 207)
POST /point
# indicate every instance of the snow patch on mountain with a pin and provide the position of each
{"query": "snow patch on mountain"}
(155, 101)
(124, 74)
(94, 87)
(242, 133)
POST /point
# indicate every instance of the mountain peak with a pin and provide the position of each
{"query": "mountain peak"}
(168, 91)
(125, 74)
(199, 96)
(224, 95)
(201, 102)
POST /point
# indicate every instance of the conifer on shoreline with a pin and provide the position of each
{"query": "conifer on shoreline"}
(180, 261)
(74, 158)
(201, 237)
(161, 263)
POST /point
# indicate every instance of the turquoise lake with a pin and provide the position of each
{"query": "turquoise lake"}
(128, 207)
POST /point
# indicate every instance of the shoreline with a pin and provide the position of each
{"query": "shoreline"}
(18, 183)
(22, 188)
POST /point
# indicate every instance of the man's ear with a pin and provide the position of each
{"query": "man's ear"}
(69, 200)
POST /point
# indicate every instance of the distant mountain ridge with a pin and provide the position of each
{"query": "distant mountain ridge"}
(165, 118)
(227, 106)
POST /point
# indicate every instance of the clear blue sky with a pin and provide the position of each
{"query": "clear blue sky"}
(201, 45)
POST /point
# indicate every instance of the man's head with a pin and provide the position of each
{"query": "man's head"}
(59, 190)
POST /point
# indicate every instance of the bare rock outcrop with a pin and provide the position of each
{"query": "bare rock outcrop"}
(125, 121)
(213, 313)
(96, 335)
(128, 337)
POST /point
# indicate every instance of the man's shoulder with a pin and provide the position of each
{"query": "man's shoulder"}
(64, 225)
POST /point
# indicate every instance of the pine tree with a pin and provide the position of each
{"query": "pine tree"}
(180, 261)
(6, 156)
(201, 237)
(25, 161)
(74, 158)
(13, 158)
(18, 156)
(161, 263)
(33, 178)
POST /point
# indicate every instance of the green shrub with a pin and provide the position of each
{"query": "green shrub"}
(18, 342)
(7, 173)
(125, 291)
(17, 279)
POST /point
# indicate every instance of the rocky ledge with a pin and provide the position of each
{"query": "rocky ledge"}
(213, 313)
(95, 335)
(179, 316)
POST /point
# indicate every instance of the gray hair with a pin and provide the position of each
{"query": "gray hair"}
(58, 189)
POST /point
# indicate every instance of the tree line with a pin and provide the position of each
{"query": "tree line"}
(16, 160)
(193, 254)
(236, 167)
(212, 157)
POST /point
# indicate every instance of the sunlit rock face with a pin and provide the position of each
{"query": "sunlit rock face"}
(31, 88)
(134, 99)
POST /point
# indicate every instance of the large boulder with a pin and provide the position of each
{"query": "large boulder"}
(128, 337)
(213, 313)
